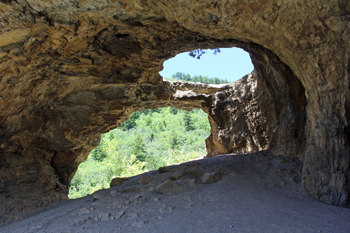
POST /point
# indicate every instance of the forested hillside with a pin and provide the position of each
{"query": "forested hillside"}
(203, 79)
(150, 139)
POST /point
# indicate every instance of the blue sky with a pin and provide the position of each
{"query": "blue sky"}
(231, 64)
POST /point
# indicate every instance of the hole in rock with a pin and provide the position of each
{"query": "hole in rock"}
(229, 64)
(150, 139)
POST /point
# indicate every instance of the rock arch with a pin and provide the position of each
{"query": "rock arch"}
(74, 69)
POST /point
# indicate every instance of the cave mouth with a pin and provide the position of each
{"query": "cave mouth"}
(148, 140)
(201, 65)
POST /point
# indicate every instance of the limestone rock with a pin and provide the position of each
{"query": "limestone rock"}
(165, 169)
(165, 209)
(105, 217)
(70, 72)
(212, 177)
(84, 211)
(118, 181)
(168, 187)
(98, 195)
(145, 179)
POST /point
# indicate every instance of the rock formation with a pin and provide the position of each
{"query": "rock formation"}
(71, 70)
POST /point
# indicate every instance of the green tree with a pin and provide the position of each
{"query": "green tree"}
(188, 121)
(131, 123)
(124, 153)
(174, 140)
(97, 154)
(138, 148)
(173, 110)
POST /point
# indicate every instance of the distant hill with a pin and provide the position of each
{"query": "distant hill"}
(202, 79)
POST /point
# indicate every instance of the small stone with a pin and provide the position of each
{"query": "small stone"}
(119, 214)
(117, 205)
(168, 187)
(37, 227)
(97, 196)
(135, 189)
(138, 224)
(212, 177)
(84, 211)
(156, 199)
(83, 220)
(190, 181)
(145, 179)
(132, 216)
(164, 169)
(177, 176)
(105, 217)
(97, 218)
(118, 181)
(166, 209)
(193, 173)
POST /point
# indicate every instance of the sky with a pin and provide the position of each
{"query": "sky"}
(231, 64)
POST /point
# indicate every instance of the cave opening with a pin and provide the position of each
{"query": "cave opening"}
(155, 138)
(210, 66)
(150, 139)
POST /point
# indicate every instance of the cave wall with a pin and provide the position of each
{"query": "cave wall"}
(71, 70)
(265, 110)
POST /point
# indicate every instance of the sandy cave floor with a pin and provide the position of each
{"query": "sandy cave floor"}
(229, 193)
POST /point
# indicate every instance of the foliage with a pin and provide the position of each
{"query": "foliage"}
(203, 79)
(188, 122)
(150, 139)
(197, 53)
(138, 148)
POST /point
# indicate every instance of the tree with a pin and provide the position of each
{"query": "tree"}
(197, 53)
(147, 146)
(97, 154)
(173, 110)
(188, 121)
(131, 123)
(138, 148)
(173, 140)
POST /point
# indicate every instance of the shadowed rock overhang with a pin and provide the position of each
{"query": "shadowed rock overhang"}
(71, 70)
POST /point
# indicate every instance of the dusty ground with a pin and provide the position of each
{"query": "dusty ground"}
(242, 193)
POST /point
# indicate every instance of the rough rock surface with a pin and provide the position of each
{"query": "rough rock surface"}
(71, 70)
(255, 193)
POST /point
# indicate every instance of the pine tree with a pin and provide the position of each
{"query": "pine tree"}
(188, 121)
(138, 148)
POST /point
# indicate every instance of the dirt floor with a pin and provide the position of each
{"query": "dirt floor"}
(229, 193)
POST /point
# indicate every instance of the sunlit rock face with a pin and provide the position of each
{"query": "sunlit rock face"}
(71, 70)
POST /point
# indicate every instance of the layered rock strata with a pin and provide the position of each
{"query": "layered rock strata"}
(71, 70)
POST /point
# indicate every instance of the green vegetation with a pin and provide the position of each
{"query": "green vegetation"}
(149, 140)
(203, 79)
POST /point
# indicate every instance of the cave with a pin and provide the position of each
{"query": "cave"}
(73, 70)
